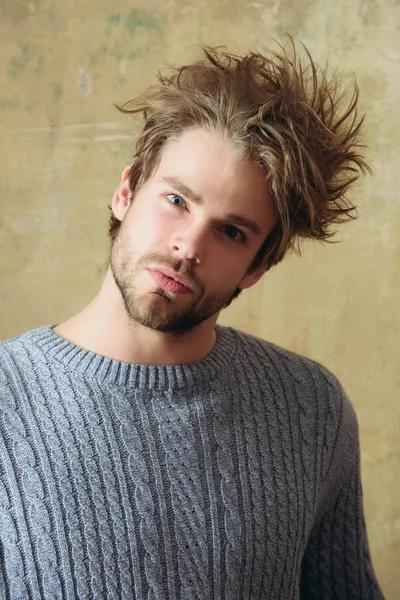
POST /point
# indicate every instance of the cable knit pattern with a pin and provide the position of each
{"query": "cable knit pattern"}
(236, 477)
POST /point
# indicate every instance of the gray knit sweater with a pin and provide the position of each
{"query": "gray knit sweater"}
(236, 477)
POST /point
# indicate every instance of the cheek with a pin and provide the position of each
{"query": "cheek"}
(148, 228)
(225, 269)
(159, 230)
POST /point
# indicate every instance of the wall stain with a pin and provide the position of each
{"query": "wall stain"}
(84, 82)
(118, 49)
(57, 91)
(94, 57)
(119, 52)
(114, 152)
(6, 103)
(114, 19)
(136, 18)
(24, 60)
(292, 17)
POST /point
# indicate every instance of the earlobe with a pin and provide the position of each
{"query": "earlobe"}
(121, 198)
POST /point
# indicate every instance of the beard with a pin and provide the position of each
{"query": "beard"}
(159, 309)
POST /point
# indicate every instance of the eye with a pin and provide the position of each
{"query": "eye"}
(234, 233)
(176, 200)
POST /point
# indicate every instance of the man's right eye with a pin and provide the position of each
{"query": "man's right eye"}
(176, 200)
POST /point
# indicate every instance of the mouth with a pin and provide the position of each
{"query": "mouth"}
(170, 280)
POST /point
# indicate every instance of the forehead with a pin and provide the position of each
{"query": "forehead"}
(199, 148)
(215, 170)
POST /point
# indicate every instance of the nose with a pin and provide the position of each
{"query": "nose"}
(189, 243)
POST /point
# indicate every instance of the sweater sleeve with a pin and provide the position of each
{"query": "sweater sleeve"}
(337, 562)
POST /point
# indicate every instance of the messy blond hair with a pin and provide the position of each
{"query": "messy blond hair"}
(283, 112)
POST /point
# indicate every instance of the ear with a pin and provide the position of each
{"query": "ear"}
(120, 201)
(251, 278)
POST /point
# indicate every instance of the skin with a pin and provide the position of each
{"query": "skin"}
(195, 215)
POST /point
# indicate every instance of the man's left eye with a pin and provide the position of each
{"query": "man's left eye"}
(234, 233)
(176, 200)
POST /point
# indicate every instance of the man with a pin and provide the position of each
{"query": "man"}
(148, 452)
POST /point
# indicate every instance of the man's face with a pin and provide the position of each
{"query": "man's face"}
(191, 233)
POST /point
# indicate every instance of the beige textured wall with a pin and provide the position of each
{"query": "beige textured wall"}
(62, 147)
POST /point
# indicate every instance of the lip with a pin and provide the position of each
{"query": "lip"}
(173, 277)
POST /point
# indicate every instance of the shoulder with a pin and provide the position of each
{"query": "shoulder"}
(310, 397)
(274, 360)
(31, 340)
(10, 351)
(307, 386)
(15, 348)
(19, 358)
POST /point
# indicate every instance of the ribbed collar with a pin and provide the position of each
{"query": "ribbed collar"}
(150, 377)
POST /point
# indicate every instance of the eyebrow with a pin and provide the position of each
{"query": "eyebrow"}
(183, 189)
(230, 219)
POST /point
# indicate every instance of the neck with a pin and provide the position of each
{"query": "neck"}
(104, 327)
